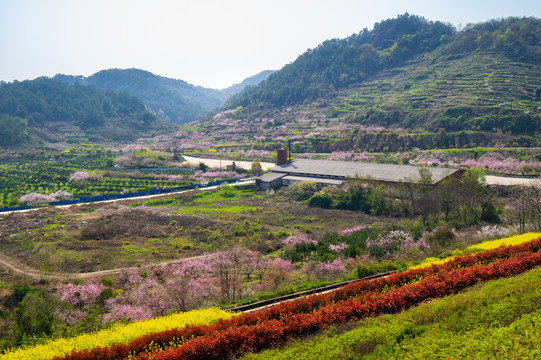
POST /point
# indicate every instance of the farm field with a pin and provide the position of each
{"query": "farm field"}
(95, 237)
(39, 177)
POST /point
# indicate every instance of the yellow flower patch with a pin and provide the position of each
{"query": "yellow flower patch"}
(120, 333)
(486, 245)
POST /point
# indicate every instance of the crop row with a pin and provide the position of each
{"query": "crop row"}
(253, 332)
(118, 333)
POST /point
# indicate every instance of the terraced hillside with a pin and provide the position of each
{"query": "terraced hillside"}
(478, 92)
(447, 89)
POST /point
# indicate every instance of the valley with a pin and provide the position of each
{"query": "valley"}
(463, 251)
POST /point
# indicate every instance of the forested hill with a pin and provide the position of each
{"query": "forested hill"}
(50, 110)
(417, 75)
(173, 100)
(337, 64)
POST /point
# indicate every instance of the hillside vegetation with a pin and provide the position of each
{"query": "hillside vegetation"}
(336, 64)
(339, 63)
(499, 319)
(48, 110)
(421, 83)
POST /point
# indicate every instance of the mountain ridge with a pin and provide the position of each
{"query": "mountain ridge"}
(174, 100)
(478, 86)
(44, 109)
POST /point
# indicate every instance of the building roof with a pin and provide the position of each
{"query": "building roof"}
(319, 180)
(271, 176)
(345, 169)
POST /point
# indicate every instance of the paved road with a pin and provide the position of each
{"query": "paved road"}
(500, 180)
(217, 163)
(490, 179)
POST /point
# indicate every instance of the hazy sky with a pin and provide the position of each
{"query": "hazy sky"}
(212, 43)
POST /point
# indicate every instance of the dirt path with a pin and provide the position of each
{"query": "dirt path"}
(28, 272)
(22, 269)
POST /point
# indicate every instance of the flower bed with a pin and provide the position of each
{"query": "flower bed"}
(117, 334)
(486, 245)
(257, 331)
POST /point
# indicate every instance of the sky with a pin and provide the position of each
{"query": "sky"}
(211, 43)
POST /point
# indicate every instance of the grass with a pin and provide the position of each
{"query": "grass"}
(500, 319)
(203, 210)
(135, 249)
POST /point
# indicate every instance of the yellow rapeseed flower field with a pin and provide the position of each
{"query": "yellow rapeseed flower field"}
(120, 333)
(512, 240)
(486, 245)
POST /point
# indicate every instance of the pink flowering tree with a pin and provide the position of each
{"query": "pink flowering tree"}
(144, 292)
(327, 270)
(82, 176)
(350, 231)
(293, 240)
(394, 242)
(81, 296)
(338, 248)
(229, 269)
(34, 199)
(261, 266)
(278, 273)
(123, 312)
(191, 285)
(61, 195)
(81, 300)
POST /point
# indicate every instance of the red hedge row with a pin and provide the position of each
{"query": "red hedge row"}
(235, 341)
(256, 331)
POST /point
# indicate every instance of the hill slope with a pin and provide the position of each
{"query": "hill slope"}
(433, 86)
(171, 99)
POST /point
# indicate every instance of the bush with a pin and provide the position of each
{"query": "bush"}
(442, 236)
(303, 190)
(227, 191)
(322, 199)
(364, 270)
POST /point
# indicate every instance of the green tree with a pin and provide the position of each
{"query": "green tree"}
(321, 199)
(302, 190)
(202, 166)
(257, 169)
(12, 129)
(35, 316)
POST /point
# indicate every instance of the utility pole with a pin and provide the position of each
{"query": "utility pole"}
(289, 149)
